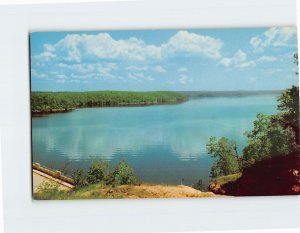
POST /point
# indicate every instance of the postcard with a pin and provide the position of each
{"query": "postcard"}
(164, 113)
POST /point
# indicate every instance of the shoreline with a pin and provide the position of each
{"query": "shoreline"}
(64, 189)
(37, 113)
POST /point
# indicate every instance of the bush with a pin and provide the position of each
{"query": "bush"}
(225, 153)
(80, 179)
(123, 174)
(46, 190)
(97, 172)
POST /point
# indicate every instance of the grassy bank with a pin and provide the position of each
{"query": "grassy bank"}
(103, 191)
(52, 102)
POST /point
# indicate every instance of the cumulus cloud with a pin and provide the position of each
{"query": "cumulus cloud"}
(137, 68)
(226, 61)
(38, 75)
(44, 56)
(267, 59)
(239, 60)
(192, 43)
(272, 71)
(182, 69)
(247, 64)
(78, 47)
(139, 77)
(83, 68)
(159, 69)
(183, 79)
(275, 37)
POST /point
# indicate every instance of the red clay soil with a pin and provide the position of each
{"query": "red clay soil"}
(277, 176)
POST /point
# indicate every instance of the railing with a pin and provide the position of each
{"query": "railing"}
(55, 174)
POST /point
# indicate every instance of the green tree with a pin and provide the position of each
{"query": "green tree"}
(226, 157)
(123, 174)
(79, 178)
(97, 172)
(288, 104)
(267, 139)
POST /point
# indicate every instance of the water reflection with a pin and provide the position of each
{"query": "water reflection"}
(163, 143)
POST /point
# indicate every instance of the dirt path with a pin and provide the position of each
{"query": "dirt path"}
(39, 177)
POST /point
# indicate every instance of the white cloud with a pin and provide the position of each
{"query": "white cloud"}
(38, 75)
(78, 47)
(91, 69)
(149, 78)
(192, 43)
(61, 76)
(246, 64)
(182, 69)
(239, 56)
(131, 76)
(60, 80)
(266, 59)
(159, 69)
(137, 68)
(276, 37)
(75, 47)
(226, 61)
(239, 60)
(45, 56)
(183, 79)
(139, 77)
(272, 71)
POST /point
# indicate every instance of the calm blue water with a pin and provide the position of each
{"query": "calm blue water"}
(164, 143)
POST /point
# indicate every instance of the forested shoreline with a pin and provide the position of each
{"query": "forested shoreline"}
(57, 102)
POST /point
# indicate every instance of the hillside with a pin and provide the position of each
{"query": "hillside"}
(276, 176)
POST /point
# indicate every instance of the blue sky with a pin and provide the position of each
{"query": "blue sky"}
(182, 60)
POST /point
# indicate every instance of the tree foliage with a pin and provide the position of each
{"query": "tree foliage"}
(272, 135)
(47, 102)
(267, 139)
(123, 174)
(79, 178)
(97, 172)
(288, 104)
(226, 158)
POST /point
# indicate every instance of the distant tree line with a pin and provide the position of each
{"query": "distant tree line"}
(51, 102)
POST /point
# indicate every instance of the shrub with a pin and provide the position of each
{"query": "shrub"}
(46, 190)
(80, 179)
(122, 174)
(97, 172)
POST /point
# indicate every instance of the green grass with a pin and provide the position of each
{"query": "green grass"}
(47, 102)
(225, 179)
(88, 192)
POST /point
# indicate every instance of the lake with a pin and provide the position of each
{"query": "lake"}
(163, 143)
